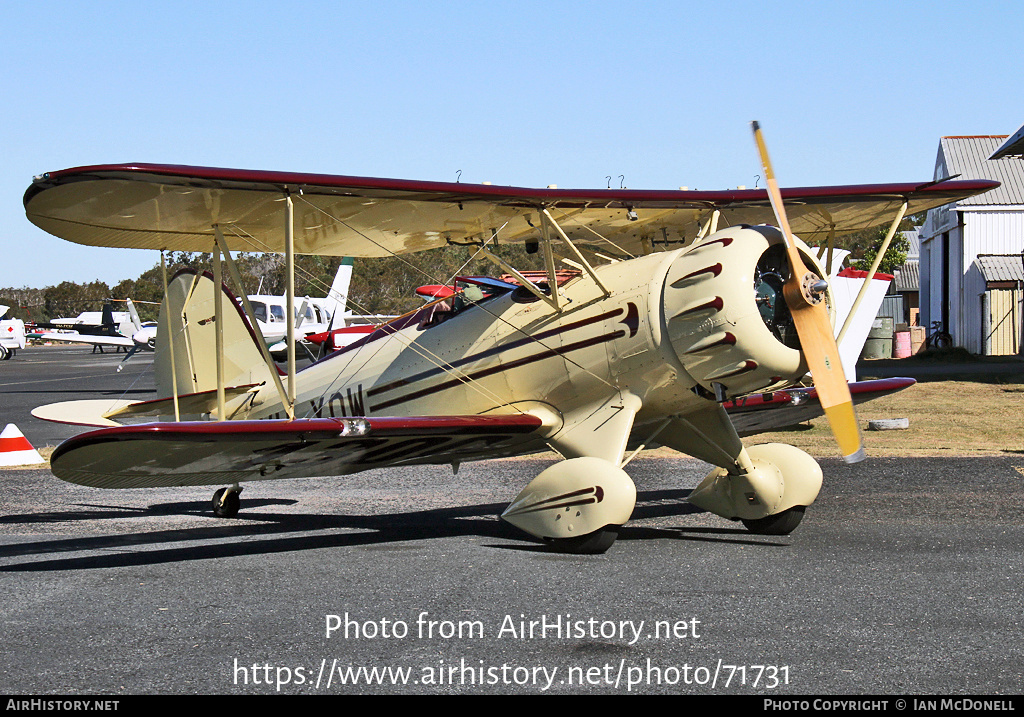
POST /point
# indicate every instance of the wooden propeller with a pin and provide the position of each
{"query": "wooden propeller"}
(805, 296)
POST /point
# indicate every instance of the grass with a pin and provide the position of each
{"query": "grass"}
(947, 418)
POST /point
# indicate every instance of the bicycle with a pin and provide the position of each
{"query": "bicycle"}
(938, 339)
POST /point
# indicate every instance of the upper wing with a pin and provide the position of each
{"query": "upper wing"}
(769, 412)
(217, 452)
(172, 207)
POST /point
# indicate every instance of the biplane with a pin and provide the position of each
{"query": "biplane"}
(682, 302)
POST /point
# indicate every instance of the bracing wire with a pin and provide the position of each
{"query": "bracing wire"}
(483, 307)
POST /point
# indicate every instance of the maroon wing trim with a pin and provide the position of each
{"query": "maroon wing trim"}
(261, 180)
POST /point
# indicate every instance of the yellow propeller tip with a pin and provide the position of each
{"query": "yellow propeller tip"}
(856, 457)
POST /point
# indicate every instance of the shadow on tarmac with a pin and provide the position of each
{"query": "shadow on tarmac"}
(258, 530)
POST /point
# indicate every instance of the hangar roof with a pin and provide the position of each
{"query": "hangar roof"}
(969, 157)
(1001, 267)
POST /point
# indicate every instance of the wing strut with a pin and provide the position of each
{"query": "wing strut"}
(547, 222)
(289, 261)
(710, 226)
(170, 345)
(545, 216)
(551, 300)
(218, 318)
(874, 268)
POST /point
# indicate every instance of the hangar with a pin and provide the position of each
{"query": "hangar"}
(971, 251)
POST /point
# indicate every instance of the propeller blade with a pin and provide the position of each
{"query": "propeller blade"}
(806, 301)
(125, 359)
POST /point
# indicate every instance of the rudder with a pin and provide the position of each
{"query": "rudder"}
(187, 328)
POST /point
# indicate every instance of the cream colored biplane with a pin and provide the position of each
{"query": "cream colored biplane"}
(666, 321)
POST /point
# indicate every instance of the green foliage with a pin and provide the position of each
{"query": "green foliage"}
(895, 256)
(68, 299)
(864, 245)
(379, 286)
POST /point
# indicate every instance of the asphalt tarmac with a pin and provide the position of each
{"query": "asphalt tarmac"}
(904, 579)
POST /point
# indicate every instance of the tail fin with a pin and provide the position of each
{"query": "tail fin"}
(188, 329)
(337, 297)
(134, 314)
(108, 315)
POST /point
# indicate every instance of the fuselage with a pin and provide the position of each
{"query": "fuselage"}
(654, 336)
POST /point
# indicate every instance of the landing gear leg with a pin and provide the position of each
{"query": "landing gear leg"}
(226, 502)
(768, 486)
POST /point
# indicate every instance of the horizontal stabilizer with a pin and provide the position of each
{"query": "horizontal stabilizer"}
(217, 452)
(100, 411)
(90, 412)
(202, 402)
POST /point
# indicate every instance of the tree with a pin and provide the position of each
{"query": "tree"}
(68, 299)
(864, 245)
(895, 256)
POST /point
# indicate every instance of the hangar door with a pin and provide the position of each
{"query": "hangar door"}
(1001, 314)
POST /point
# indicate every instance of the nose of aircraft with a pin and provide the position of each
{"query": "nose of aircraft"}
(725, 316)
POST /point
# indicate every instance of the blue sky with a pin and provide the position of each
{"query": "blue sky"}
(521, 93)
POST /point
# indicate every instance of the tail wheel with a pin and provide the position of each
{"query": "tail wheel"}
(226, 503)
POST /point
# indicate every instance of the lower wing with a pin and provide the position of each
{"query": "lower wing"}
(771, 411)
(217, 452)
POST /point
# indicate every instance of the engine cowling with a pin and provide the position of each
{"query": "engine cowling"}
(725, 315)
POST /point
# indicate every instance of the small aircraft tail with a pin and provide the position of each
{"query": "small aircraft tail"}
(188, 329)
(107, 320)
(134, 314)
(337, 297)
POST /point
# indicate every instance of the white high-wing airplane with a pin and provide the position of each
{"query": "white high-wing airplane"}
(317, 320)
(682, 322)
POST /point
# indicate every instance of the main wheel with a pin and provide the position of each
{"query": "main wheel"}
(590, 544)
(782, 523)
(226, 503)
(4, 353)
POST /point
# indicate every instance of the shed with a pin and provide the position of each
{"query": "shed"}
(953, 288)
(997, 279)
